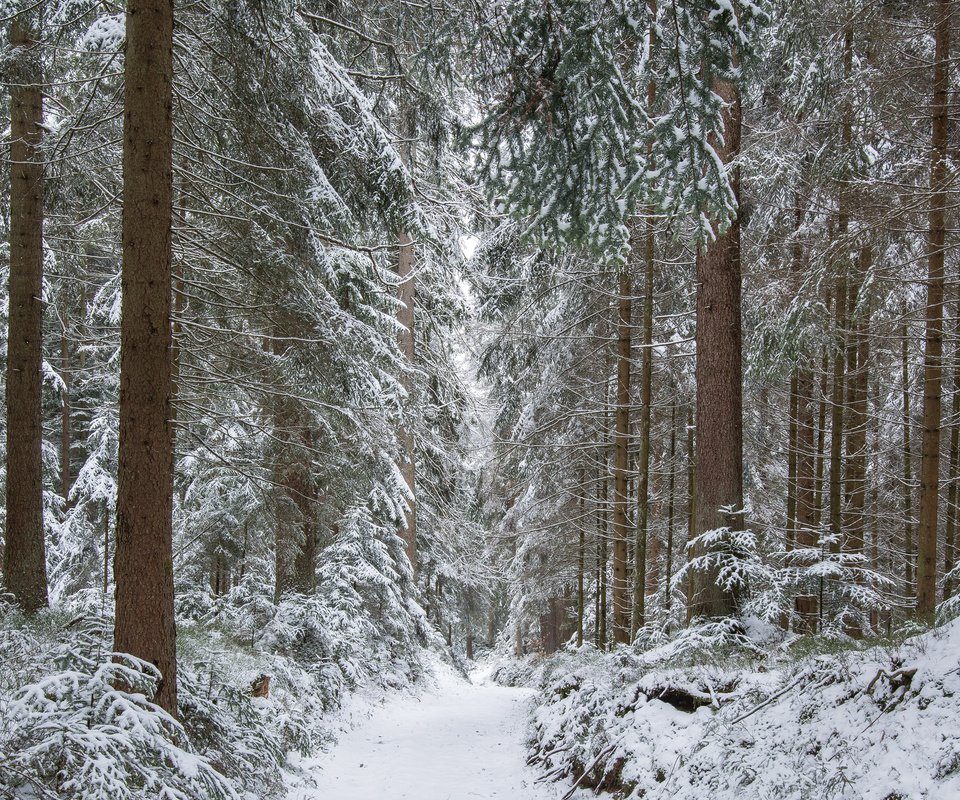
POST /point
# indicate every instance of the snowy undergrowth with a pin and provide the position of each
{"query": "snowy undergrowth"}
(77, 722)
(678, 722)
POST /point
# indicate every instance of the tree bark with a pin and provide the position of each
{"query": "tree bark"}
(602, 538)
(909, 588)
(837, 399)
(671, 506)
(621, 442)
(643, 465)
(933, 350)
(719, 485)
(691, 504)
(953, 474)
(24, 558)
(858, 369)
(66, 408)
(791, 521)
(406, 316)
(143, 565)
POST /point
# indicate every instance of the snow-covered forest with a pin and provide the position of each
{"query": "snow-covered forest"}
(524, 399)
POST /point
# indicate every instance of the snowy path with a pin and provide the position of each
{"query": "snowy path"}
(457, 741)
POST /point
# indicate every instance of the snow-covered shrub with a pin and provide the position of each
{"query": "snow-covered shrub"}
(853, 724)
(88, 731)
(65, 727)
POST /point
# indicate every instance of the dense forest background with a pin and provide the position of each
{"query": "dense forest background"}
(339, 334)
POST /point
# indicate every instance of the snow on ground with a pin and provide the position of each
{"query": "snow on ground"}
(455, 741)
(874, 724)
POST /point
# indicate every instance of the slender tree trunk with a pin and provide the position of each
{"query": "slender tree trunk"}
(581, 557)
(621, 441)
(821, 460)
(643, 459)
(719, 486)
(805, 603)
(638, 615)
(909, 588)
(305, 498)
(285, 523)
(792, 463)
(24, 558)
(836, 411)
(406, 316)
(602, 538)
(671, 506)
(66, 409)
(691, 504)
(804, 531)
(858, 369)
(143, 566)
(950, 528)
(933, 351)
(874, 496)
(840, 317)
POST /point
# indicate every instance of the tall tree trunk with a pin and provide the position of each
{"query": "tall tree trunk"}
(143, 565)
(805, 459)
(643, 459)
(791, 521)
(837, 400)
(691, 505)
(66, 407)
(909, 588)
(719, 486)
(671, 506)
(840, 316)
(638, 615)
(24, 559)
(933, 351)
(950, 528)
(805, 603)
(821, 453)
(602, 540)
(581, 557)
(305, 497)
(621, 443)
(406, 316)
(858, 369)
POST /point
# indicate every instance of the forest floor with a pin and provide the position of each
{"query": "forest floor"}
(456, 740)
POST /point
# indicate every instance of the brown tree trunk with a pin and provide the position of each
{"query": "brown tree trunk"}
(671, 506)
(143, 565)
(691, 505)
(950, 528)
(406, 316)
(836, 411)
(602, 538)
(643, 460)
(621, 441)
(821, 459)
(908, 563)
(638, 614)
(840, 317)
(804, 532)
(791, 533)
(305, 497)
(719, 485)
(805, 603)
(24, 558)
(858, 369)
(581, 561)
(933, 351)
(66, 410)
